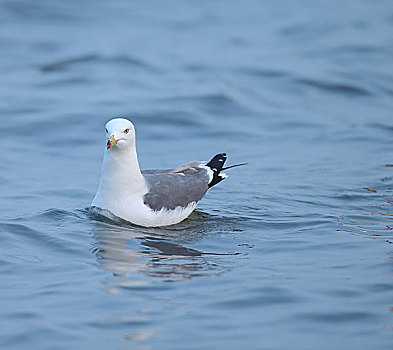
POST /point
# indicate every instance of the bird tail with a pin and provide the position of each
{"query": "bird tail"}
(216, 165)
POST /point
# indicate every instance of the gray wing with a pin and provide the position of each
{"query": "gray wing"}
(173, 188)
(156, 171)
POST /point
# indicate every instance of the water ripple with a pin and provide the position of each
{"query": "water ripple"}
(212, 103)
(70, 62)
(335, 87)
(337, 317)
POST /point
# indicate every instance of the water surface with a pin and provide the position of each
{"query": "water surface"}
(291, 252)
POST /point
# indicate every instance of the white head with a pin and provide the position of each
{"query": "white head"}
(120, 133)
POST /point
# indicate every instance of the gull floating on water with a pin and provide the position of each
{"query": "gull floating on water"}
(150, 198)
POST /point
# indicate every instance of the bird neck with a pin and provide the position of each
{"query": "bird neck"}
(121, 172)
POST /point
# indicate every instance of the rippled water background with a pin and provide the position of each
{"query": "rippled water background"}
(291, 252)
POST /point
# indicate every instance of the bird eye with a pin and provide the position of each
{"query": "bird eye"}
(106, 130)
(126, 131)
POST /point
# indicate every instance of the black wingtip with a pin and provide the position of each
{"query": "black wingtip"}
(234, 166)
(216, 164)
(217, 160)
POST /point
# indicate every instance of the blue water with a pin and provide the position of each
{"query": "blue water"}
(293, 251)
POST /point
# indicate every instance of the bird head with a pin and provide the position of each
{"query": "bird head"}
(120, 132)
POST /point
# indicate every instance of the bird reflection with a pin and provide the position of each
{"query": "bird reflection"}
(130, 251)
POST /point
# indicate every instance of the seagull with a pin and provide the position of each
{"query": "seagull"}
(150, 198)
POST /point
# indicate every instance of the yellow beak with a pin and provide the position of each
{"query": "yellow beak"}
(111, 142)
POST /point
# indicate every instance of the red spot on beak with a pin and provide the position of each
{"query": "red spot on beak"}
(108, 145)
